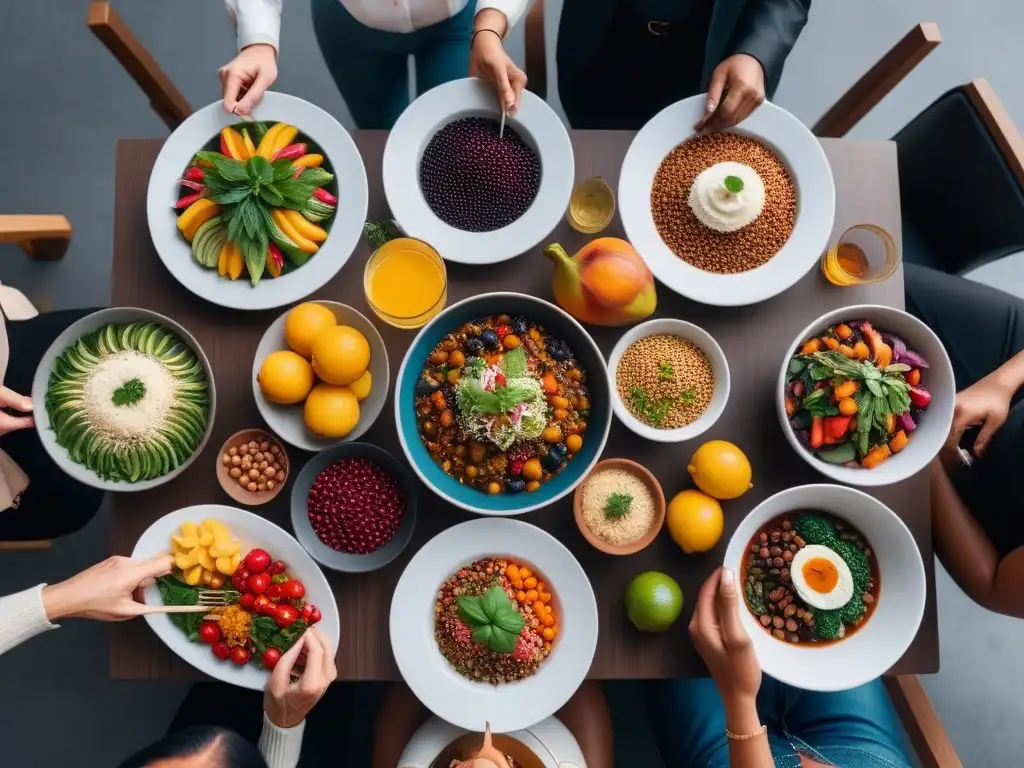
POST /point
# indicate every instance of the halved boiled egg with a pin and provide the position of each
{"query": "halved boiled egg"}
(821, 577)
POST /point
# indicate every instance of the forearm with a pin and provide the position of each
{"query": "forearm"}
(768, 30)
(1010, 374)
(741, 719)
(499, 15)
(587, 717)
(281, 747)
(22, 616)
(258, 21)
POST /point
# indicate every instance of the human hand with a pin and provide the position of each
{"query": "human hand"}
(986, 404)
(11, 399)
(488, 60)
(105, 591)
(741, 78)
(722, 642)
(287, 703)
(253, 70)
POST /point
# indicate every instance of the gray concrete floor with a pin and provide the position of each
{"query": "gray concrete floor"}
(65, 103)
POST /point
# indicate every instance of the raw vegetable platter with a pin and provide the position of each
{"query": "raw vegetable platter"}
(251, 531)
(303, 230)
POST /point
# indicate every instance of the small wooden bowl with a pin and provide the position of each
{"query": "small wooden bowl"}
(230, 484)
(659, 507)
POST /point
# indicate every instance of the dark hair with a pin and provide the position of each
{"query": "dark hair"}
(232, 751)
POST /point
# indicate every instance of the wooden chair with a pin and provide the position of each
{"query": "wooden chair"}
(875, 84)
(165, 99)
(44, 238)
(536, 60)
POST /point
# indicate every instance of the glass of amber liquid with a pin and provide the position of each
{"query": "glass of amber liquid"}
(864, 253)
(591, 206)
(405, 282)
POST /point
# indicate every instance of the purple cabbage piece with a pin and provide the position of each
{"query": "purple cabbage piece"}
(911, 358)
(906, 422)
(802, 436)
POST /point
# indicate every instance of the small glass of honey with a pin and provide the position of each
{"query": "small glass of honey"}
(864, 253)
(591, 206)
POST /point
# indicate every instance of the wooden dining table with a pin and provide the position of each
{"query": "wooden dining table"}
(754, 338)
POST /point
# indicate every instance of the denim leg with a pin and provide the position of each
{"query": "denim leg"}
(688, 721)
(444, 56)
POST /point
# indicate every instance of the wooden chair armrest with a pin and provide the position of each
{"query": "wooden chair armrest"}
(167, 101)
(999, 124)
(42, 237)
(920, 721)
(12, 546)
(535, 52)
(875, 84)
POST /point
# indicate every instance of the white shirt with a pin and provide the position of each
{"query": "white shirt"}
(259, 21)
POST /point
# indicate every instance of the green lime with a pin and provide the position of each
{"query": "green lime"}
(653, 601)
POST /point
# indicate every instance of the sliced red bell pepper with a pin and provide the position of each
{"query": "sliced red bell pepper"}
(195, 186)
(187, 200)
(275, 260)
(837, 425)
(324, 196)
(291, 152)
(195, 173)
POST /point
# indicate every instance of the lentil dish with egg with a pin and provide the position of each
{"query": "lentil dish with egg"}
(502, 406)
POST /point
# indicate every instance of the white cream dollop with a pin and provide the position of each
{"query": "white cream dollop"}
(721, 210)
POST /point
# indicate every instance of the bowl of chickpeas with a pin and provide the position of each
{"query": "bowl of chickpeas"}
(252, 467)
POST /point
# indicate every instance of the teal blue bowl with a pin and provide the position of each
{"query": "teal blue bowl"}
(558, 324)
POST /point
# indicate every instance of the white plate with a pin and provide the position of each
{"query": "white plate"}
(535, 122)
(873, 649)
(801, 153)
(41, 380)
(253, 531)
(345, 228)
(286, 420)
(719, 369)
(511, 706)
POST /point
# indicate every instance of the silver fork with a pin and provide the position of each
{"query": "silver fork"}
(208, 599)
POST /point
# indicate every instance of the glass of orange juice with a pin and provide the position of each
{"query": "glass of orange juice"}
(405, 282)
(864, 253)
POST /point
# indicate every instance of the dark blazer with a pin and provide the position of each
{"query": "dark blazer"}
(764, 29)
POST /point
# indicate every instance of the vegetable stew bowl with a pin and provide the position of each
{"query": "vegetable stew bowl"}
(874, 648)
(534, 121)
(344, 230)
(252, 531)
(934, 423)
(560, 325)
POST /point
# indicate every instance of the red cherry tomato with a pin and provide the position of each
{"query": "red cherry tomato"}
(257, 561)
(315, 616)
(293, 590)
(209, 632)
(286, 615)
(247, 601)
(262, 605)
(258, 583)
(221, 651)
(307, 611)
(274, 592)
(239, 655)
(277, 567)
(240, 580)
(270, 657)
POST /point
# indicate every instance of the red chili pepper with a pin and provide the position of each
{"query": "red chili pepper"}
(275, 260)
(195, 173)
(193, 185)
(291, 152)
(187, 200)
(324, 196)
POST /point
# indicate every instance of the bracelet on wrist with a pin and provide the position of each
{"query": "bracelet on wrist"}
(485, 29)
(746, 736)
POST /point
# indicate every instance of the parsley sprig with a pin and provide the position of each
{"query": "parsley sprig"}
(617, 505)
(654, 410)
(665, 370)
(129, 393)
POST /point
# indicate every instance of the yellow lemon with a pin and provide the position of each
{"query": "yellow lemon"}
(331, 411)
(694, 521)
(361, 387)
(304, 323)
(285, 377)
(340, 355)
(720, 469)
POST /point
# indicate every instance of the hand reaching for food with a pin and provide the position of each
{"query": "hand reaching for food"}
(287, 701)
(105, 591)
(736, 90)
(985, 404)
(11, 399)
(488, 59)
(246, 77)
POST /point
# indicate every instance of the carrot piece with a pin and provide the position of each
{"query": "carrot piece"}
(812, 346)
(817, 432)
(860, 349)
(843, 331)
(914, 377)
(890, 423)
(847, 406)
(899, 441)
(548, 383)
(853, 426)
(880, 351)
(846, 351)
(827, 437)
(790, 406)
(876, 456)
(829, 342)
(512, 572)
(846, 389)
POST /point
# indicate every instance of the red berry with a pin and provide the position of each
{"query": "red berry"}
(240, 580)
(209, 632)
(258, 583)
(503, 331)
(516, 467)
(247, 600)
(221, 651)
(270, 657)
(239, 655)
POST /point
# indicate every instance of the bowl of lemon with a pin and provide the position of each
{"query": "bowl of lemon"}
(320, 375)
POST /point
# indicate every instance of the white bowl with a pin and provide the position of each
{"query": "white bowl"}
(535, 122)
(41, 380)
(874, 648)
(933, 426)
(345, 228)
(252, 531)
(719, 368)
(287, 420)
(510, 706)
(796, 147)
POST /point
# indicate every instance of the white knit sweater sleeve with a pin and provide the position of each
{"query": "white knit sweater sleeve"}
(22, 616)
(512, 9)
(257, 21)
(281, 747)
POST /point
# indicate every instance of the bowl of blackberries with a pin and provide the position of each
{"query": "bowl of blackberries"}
(479, 187)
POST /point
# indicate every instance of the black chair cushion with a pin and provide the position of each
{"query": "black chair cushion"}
(961, 204)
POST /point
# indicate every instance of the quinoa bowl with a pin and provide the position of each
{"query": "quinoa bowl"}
(463, 680)
(477, 198)
(736, 251)
(551, 415)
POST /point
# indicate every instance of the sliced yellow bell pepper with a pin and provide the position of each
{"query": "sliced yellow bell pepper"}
(193, 217)
(304, 243)
(250, 148)
(266, 147)
(309, 161)
(305, 227)
(283, 138)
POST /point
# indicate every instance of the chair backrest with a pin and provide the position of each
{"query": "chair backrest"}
(165, 99)
(922, 724)
(961, 169)
(875, 84)
(536, 65)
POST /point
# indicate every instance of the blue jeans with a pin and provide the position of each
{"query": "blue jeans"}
(370, 66)
(850, 729)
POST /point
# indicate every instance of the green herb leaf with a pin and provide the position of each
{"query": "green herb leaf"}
(260, 170)
(231, 195)
(175, 592)
(282, 170)
(617, 505)
(227, 168)
(510, 621)
(494, 600)
(734, 184)
(665, 371)
(129, 393)
(317, 177)
(379, 232)
(820, 372)
(874, 387)
(270, 195)
(482, 634)
(502, 641)
(513, 364)
(687, 397)
(796, 365)
(471, 611)
(249, 213)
